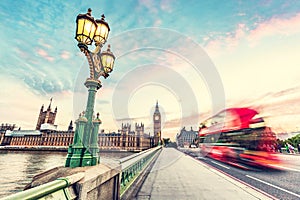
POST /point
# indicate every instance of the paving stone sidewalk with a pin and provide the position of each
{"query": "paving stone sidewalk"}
(178, 176)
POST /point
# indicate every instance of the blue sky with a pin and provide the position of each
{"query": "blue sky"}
(252, 45)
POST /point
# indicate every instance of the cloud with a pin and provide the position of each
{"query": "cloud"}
(149, 4)
(22, 54)
(166, 5)
(24, 113)
(275, 26)
(281, 108)
(130, 119)
(44, 44)
(44, 54)
(241, 14)
(65, 55)
(157, 22)
(103, 102)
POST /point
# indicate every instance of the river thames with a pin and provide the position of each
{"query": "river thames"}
(18, 167)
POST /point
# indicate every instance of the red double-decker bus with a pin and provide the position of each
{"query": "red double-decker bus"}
(238, 135)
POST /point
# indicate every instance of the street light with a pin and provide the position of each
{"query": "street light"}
(85, 150)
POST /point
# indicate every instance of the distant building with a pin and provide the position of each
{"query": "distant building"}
(46, 134)
(133, 140)
(5, 127)
(46, 117)
(156, 126)
(36, 138)
(126, 139)
(185, 138)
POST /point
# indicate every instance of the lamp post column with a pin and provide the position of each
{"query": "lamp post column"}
(85, 151)
(87, 160)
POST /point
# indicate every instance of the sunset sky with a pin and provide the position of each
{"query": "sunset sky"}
(193, 57)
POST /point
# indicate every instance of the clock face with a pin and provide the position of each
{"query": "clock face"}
(156, 117)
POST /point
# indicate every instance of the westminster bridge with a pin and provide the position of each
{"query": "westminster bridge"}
(157, 173)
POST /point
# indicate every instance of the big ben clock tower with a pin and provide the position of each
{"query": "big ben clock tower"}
(157, 125)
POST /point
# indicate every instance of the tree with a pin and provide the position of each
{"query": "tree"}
(166, 141)
(295, 141)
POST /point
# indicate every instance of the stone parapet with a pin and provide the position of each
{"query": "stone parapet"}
(99, 182)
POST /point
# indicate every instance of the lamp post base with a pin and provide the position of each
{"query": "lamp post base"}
(69, 156)
(74, 159)
(95, 155)
(87, 159)
(75, 150)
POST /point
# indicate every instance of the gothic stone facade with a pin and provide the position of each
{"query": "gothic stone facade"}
(156, 126)
(125, 139)
(46, 117)
(31, 138)
(185, 138)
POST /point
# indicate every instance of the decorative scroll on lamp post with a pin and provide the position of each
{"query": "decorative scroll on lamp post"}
(84, 151)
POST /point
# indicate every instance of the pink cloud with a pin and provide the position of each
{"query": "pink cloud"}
(65, 55)
(21, 53)
(273, 27)
(44, 54)
(276, 26)
(230, 41)
(42, 43)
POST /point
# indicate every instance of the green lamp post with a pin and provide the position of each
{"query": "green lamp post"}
(84, 151)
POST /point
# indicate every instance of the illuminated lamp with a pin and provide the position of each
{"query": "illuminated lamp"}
(101, 31)
(85, 29)
(108, 59)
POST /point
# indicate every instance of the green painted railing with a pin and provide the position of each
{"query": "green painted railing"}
(57, 189)
(133, 165)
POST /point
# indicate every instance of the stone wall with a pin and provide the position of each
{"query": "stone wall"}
(99, 182)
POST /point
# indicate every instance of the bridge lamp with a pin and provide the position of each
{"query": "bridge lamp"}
(84, 151)
(85, 29)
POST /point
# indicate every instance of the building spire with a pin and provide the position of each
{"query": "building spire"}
(70, 128)
(49, 107)
(42, 108)
(156, 107)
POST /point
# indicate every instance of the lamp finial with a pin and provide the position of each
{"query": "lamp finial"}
(89, 12)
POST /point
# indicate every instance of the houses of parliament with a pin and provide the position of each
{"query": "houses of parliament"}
(46, 134)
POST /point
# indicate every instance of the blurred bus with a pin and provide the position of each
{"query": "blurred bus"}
(238, 136)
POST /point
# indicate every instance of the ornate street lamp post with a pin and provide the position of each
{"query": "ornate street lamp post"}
(85, 150)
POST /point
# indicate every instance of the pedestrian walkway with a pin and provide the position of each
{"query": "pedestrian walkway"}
(176, 175)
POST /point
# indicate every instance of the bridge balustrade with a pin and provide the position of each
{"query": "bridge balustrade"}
(133, 165)
(122, 177)
(60, 188)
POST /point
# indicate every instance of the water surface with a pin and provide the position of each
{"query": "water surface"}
(18, 167)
